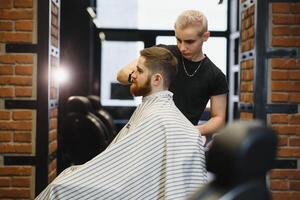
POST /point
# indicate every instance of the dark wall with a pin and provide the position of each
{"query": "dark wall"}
(77, 40)
(77, 50)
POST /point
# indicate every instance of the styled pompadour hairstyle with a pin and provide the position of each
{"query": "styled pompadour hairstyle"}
(191, 18)
(160, 60)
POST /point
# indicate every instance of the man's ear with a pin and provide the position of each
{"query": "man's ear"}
(206, 35)
(157, 79)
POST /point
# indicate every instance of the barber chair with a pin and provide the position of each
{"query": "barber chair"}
(102, 114)
(83, 134)
(239, 157)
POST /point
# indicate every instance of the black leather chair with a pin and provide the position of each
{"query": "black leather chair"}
(240, 157)
(83, 135)
(102, 114)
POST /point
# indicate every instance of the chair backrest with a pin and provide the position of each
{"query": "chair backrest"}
(239, 157)
(83, 134)
(102, 114)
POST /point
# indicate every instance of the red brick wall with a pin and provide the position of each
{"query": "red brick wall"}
(285, 88)
(16, 132)
(15, 182)
(16, 21)
(17, 82)
(52, 144)
(54, 60)
(247, 66)
(16, 74)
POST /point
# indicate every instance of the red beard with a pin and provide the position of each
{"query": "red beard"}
(142, 90)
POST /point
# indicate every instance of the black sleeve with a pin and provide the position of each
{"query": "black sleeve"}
(219, 85)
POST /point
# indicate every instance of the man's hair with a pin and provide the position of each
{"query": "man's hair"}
(160, 60)
(192, 18)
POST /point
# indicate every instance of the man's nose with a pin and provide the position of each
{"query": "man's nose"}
(182, 47)
(133, 75)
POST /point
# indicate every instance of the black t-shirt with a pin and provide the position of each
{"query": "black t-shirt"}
(191, 94)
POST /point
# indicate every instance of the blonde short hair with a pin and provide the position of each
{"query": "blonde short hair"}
(190, 18)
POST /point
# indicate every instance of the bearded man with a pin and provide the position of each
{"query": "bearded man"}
(157, 155)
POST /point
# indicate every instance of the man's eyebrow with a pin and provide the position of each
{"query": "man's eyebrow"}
(187, 40)
(190, 40)
(139, 69)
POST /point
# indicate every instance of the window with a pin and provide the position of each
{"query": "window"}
(214, 48)
(114, 55)
(157, 14)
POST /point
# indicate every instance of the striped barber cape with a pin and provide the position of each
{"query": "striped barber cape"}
(157, 155)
